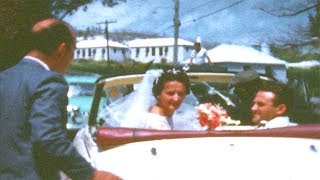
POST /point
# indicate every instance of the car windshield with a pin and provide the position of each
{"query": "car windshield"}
(202, 91)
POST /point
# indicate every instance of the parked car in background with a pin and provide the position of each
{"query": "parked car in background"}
(80, 94)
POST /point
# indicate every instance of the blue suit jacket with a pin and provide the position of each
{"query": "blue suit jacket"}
(34, 143)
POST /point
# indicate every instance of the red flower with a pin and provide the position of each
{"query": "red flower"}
(203, 119)
(215, 121)
(209, 115)
(213, 116)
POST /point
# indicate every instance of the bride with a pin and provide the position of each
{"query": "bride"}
(162, 101)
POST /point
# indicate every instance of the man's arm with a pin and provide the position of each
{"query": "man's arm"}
(49, 136)
(52, 147)
(48, 115)
(209, 60)
(192, 56)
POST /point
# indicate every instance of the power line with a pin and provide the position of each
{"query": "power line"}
(203, 16)
(196, 8)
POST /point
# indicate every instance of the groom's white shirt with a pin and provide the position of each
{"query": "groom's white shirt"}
(281, 121)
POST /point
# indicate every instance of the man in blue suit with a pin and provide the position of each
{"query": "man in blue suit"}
(33, 100)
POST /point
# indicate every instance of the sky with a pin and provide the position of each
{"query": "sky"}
(242, 23)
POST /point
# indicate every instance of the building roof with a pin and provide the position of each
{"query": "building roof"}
(304, 64)
(241, 54)
(98, 42)
(156, 42)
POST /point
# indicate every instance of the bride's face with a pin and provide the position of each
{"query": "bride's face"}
(171, 96)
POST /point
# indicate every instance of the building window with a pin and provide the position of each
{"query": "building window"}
(123, 51)
(147, 51)
(153, 52)
(83, 53)
(160, 51)
(137, 52)
(114, 50)
(94, 51)
(166, 50)
(89, 52)
(78, 53)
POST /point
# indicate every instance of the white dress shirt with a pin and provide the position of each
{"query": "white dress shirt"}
(281, 121)
(199, 57)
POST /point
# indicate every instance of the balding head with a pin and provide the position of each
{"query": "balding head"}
(44, 24)
(52, 41)
(47, 34)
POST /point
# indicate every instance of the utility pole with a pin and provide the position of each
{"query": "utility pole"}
(106, 32)
(176, 22)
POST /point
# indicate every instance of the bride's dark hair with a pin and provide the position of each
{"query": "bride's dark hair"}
(170, 75)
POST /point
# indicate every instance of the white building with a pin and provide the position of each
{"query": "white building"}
(96, 49)
(236, 58)
(158, 49)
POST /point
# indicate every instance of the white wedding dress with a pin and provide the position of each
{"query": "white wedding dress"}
(132, 110)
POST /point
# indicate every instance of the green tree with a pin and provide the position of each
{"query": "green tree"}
(314, 26)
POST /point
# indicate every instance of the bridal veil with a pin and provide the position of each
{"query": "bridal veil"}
(130, 110)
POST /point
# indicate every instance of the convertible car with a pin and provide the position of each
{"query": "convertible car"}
(231, 152)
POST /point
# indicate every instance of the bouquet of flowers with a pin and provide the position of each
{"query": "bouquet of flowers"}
(212, 116)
